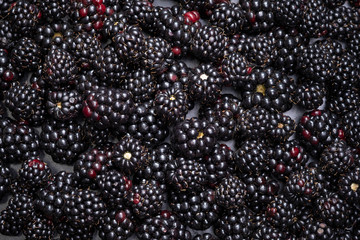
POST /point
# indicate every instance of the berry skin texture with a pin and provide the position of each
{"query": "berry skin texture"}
(230, 193)
(35, 173)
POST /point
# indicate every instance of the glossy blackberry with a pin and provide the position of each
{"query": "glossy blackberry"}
(197, 210)
(304, 186)
(67, 231)
(129, 155)
(25, 16)
(186, 175)
(338, 158)
(283, 127)
(288, 13)
(219, 164)
(343, 22)
(83, 208)
(25, 104)
(235, 69)
(63, 105)
(114, 24)
(130, 44)
(318, 129)
(8, 225)
(259, 14)
(112, 70)
(267, 231)
(146, 126)
(138, 11)
(269, 89)
(230, 193)
(96, 136)
(317, 230)
(347, 73)
(91, 164)
(235, 224)
(163, 226)
(177, 73)
(7, 71)
(172, 104)
(350, 121)
(26, 55)
(309, 94)
(19, 142)
(114, 187)
(20, 209)
(228, 16)
(146, 198)
(287, 158)
(343, 100)
(108, 107)
(205, 236)
(87, 82)
(5, 7)
(39, 228)
(59, 68)
(63, 141)
(260, 191)
(116, 225)
(34, 173)
(349, 186)
(141, 84)
(5, 180)
(194, 138)
(7, 35)
(314, 19)
(209, 43)
(205, 83)
(281, 212)
(55, 9)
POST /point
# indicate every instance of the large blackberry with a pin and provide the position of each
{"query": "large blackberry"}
(318, 129)
(288, 13)
(281, 212)
(63, 141)
(108, 107)
(349, 186)
(282, 127)
(342, 101)
(96, 136)
(146, 126)
(197, 210)
(114, 24)
(25, 16)
(63, 105)
(235, 69)
(5, 180)
(309, 94)
(317, 230)
(68, 232)
(59, 69)
(205, 83)
(146, 198)
(129, 155)
(20, 209)
(343, 22)
(55, 9)
(39, 228)
(314, 18)
(235, 224)
(350, 122)
(230, 193)
(9, 226)
(347, 73)
(26, 55)
(138, 11)
(25, 104)
(259, 14)
(269, 89)
(141, 84)
(194, 138)
(267, 231)
(209, 43)
(34, 173)
(83, 208)
(163, 226)
(172, 104)
(177, 73)
(186, 175)
(7, 71)
(116, 225)
(228, 16)
(114, 187)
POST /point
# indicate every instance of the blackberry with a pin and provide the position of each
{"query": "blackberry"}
(172, 104)
(26, 55)
(209, 43)
(230, 193)
(7, 71)
(146, 198)
(96, 136)
(267, 231)
(318, 129)
(288, 13)
(205, 83)
(8, 225)
(205, 236)
(350, 122)
(108, 107)
(83, 208)
(251, 157)
(146, 126)
(7, 35)
(34, 173)
(20, 209)
(116, 225)
(25, 16)
(343, 22)
(138, 11)
(228, 16)
(235, 224)
(337, 159)
(304, 186)
(177, 73)
(5, 180)
(19, 142)
(63, 141)
(63, 105)
(194, 138)
(55, 9)
(114, 187)
(25, 104)
(343, 100)
(219, 164)
(334, 211)
(68, 232)
(269, 89)
(196, 210)
(91, 164)
(114, 24)
(141, 84)
(5, 6)
(283, 127)
(314, 19)
(317, 230)
(309, 94)
(235, 69)
(88, 82)
(287, 158)
(259, 15)
(186, 175)
(347, 73)
(129, 155)
(349, 186)
(336, 3)
(281, 212)
(163, 226)
(39, 228)
(130, 44)
(59, 68)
